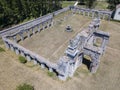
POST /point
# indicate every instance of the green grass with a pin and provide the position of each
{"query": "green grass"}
(2, 50)
(67, 3)
(51, 74)
(22, 59)
(101, 5)
(98, 5)
(25, 87)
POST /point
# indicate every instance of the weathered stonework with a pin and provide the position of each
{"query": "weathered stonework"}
(82, 44)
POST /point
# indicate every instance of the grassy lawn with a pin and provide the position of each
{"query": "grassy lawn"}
(101, 5)
(67, 3)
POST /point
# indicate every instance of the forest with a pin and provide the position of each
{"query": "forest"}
(15, 11)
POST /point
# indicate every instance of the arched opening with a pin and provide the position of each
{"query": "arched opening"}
(87, 60)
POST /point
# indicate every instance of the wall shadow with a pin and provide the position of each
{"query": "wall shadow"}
(86, 62)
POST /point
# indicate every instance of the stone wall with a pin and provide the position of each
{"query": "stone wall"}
(102, 14)
(67, 64)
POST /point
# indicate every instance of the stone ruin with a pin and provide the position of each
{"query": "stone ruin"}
(84, 43)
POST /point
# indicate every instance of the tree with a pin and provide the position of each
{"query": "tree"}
(113, 3)
(15, 11)
(90, 3)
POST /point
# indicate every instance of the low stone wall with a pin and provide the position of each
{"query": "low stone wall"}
(29, 55)
(32, 23)
(92, 12)
(27, 32)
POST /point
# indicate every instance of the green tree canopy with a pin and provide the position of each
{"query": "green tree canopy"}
(15, 11)
(113, 3)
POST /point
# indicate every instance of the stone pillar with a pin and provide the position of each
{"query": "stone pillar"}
(79, 11)
(38, 28)
(21, 36)
(93, 14)
(50, 70)
(17, 51)
(33, 31)
(28, 58)
(43, 25)
(99, 15)
(11, 47)
(22, 54)
(88, 14)
(14, 38)
(83, 13)
(42, 66)
(94, 66)
(109, 17)
(48, 24)
(7, 45)
(35, 62)
(52, 23)
(28, 33)
(103, 16)
(94, 40)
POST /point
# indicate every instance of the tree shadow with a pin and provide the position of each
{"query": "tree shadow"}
(86, 62)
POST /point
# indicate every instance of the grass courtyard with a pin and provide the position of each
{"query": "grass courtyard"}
(52, 42)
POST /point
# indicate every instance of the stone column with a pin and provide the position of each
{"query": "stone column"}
(109, 17)
(42, 66)
(79, 11)
(33, 31)
(28, 58)
(28, 33)
(99, 15)
(88, 14)
(17, 51)
(83, 13)
(22, 54)
(94, 66)
(35, 62)
(103, 16)
(48, 24)
(43, 25)
(12, 48)
(52, 23)
(93, 14)
(14, 38)
(94, 40)
(7, 45)
(38, 28)
(21, 36)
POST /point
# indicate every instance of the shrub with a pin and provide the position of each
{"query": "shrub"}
(22, 59)
(25, 87)
(51, 74)
(2, 50)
